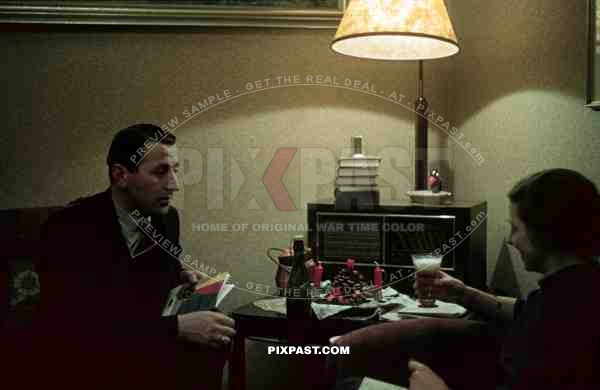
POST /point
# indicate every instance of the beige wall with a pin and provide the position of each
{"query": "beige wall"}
(516, 92)
(67, 93)
(517, 95)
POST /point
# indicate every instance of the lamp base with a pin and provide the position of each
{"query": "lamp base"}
(421, 129)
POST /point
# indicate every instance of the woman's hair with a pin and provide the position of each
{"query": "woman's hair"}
(561, 210)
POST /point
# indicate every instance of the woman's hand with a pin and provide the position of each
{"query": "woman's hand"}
(443, 286)
(423, 378)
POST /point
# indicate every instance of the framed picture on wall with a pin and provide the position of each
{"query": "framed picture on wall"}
(315, 14)
(593, 62)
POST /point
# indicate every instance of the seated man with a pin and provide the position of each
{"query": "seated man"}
(109, 263)
(553, 337)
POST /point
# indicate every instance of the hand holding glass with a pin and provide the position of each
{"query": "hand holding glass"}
(427, 268)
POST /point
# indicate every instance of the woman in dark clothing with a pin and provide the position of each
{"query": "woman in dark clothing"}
(553, 337)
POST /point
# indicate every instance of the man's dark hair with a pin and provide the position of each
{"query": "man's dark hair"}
(561, 210)
(127, 142)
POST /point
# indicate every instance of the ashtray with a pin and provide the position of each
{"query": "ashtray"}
(429, 197)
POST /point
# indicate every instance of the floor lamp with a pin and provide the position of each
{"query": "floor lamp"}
(400, 30)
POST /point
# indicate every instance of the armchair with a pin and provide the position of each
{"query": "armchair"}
(19, 242)
(463, 352)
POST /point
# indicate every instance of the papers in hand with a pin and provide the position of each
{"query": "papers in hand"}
(206, 295)
(374, 384)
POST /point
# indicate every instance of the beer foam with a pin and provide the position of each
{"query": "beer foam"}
(428, 263)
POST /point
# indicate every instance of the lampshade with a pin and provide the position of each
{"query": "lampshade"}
(396, 30)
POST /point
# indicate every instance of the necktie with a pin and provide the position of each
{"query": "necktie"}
(142, 244)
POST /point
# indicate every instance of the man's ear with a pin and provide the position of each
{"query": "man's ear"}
(119, 175)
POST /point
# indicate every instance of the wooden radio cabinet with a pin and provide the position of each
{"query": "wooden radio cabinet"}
(390, 233)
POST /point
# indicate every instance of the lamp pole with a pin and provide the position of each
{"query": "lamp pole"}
(421, 125)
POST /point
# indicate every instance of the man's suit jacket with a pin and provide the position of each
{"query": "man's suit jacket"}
(101, 308)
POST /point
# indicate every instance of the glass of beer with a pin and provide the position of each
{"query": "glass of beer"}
(427, 267)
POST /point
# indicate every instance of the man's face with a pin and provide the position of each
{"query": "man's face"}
(150, 189)
(533, 258)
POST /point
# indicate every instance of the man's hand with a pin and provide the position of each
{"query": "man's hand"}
(423, 378)
(191, 277)
(208, 328)
(190, 280)
(444, 287)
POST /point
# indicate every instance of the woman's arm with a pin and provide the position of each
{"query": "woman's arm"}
(491, 306)
(448, 288)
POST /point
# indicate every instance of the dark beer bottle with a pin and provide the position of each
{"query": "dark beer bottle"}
(298, 295)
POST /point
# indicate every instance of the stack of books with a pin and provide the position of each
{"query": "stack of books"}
(357, 176)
